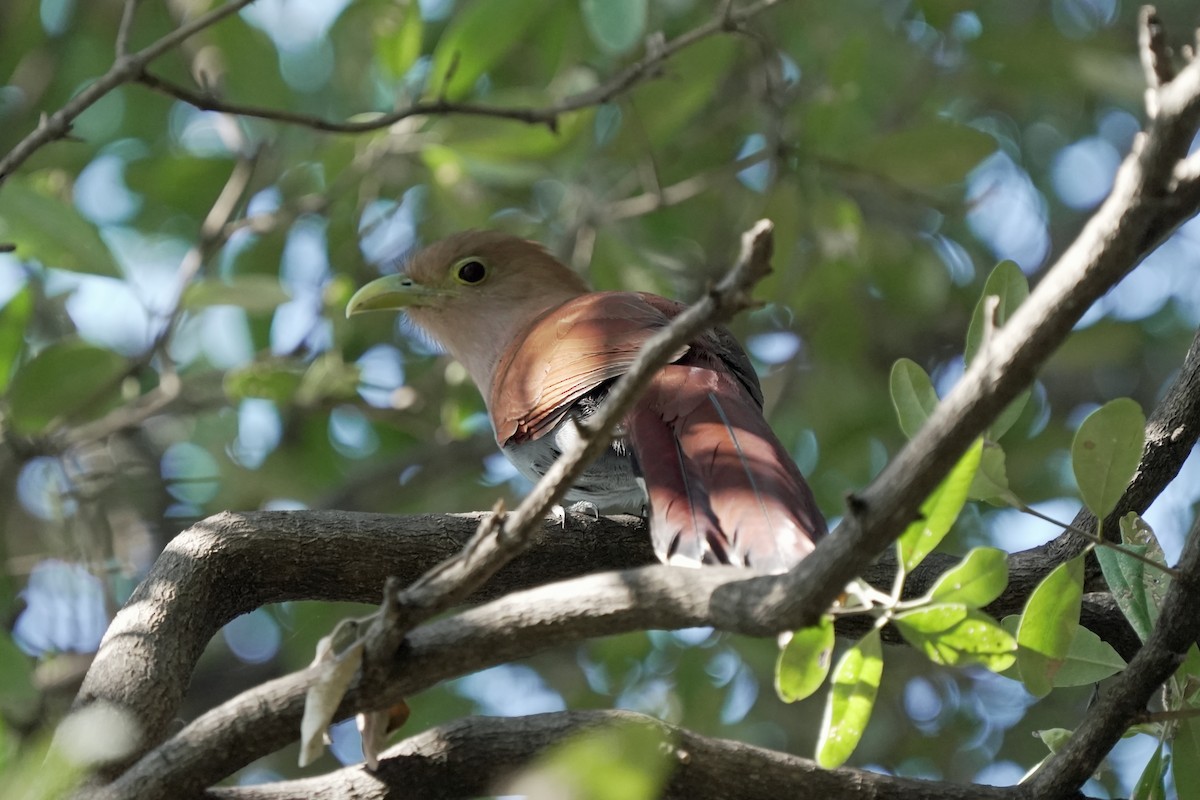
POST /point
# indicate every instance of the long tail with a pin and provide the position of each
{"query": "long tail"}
(722, 488)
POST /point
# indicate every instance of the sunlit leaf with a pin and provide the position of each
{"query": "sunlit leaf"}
(851, 699)
(1054, 738)
(975, 581)
(267, 380)
(625, 761)
(913, 395)
(328, 377)
(1010, 286)
(804, 661)
(614, 25)
(255, 293)
(955, 635)
(477, 39)
(45, 228)
(398, 44)
(67, 379)
(1106, 452)
(940, 510)
(1048, 625)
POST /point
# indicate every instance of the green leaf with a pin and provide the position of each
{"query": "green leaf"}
(1152, 785)
(1054, 738)
(912, 395)
(1187, 677)
(67, 379)
(1010, 285)
(614, 25)
(1089, 659)
(991, 481)
(851, 699)
(13, 320)
(18, 695)
(477, 39)
(955, 635)
(939, 511)
(398, 42)
(328, 377)
(1137, 534)
(975, 581)
(45, 228)
(1009, 416)
(1106, 452)
(255, 293)
(1048, 625)
(1185, 759)
(268, 380)
(626, 761)
(804, 661)
(1126, 580)
(929, 155)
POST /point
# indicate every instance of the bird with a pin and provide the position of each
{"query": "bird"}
(695, 455)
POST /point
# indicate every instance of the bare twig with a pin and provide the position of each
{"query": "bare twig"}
(637, 72)
(676, 193)
(128, 12)
(124, 69)
(1154, 51)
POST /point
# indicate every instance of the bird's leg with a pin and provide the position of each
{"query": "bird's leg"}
(558, 512)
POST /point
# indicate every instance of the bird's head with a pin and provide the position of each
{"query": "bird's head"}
(473, 292)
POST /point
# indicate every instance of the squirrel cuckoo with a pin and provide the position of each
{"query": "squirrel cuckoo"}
(543, 350)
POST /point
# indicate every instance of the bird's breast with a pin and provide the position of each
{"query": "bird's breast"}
(610, 483)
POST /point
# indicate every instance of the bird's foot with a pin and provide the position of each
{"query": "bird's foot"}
(559, 513)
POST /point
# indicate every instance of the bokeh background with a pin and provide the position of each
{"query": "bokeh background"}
(172, 339)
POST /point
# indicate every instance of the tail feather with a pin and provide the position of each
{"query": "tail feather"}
(721, 486)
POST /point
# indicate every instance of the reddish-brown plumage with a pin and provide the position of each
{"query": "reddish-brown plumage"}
(542, 349)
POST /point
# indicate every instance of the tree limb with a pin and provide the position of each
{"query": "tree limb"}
(473, 756)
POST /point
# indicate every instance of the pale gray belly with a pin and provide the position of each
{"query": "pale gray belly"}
(610, 484)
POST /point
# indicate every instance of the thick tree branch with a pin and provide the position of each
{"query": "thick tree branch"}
(473, 756)
(230, 564)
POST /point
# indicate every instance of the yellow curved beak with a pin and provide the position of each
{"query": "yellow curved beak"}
(392, 293)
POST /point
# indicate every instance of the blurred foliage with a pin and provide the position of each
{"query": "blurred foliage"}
(172, 341)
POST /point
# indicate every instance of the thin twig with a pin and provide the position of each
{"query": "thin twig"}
(124, 69)
(643, 69)
(128, 12)
(1099, 541)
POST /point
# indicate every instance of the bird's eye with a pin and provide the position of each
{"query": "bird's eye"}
(470, 270)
